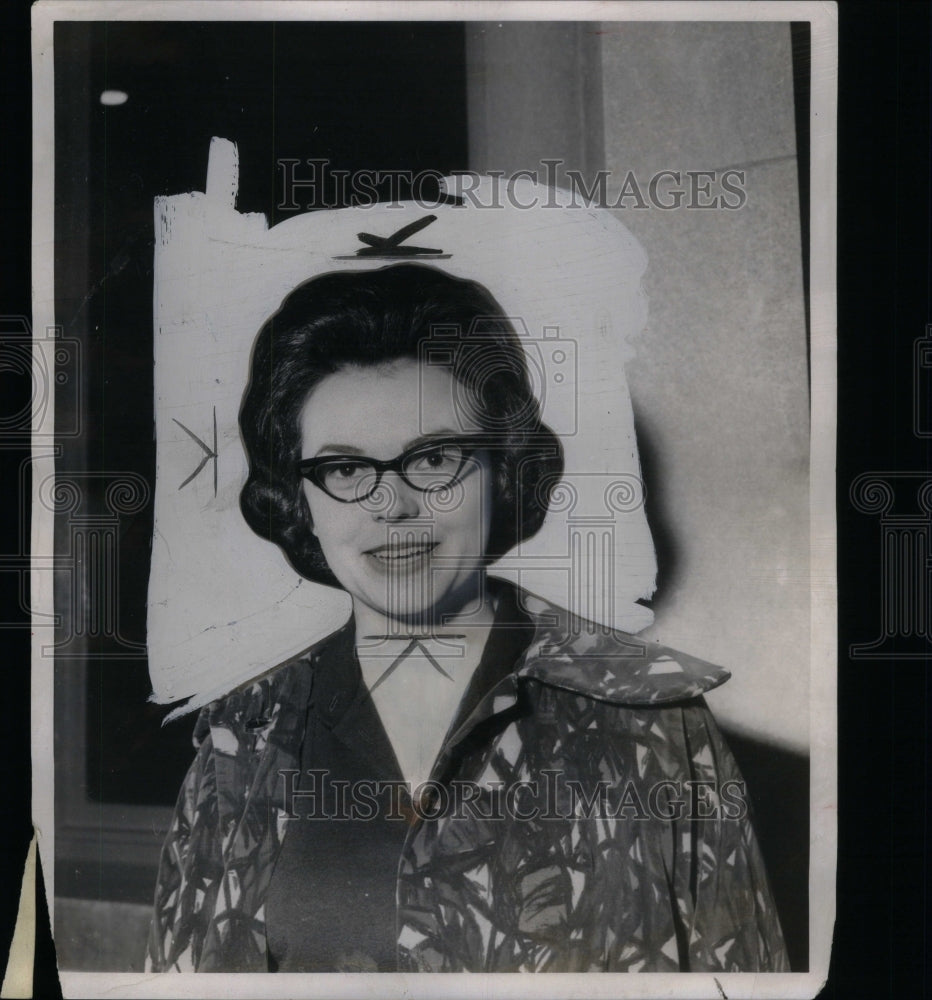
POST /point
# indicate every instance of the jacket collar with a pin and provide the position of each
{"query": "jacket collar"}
(560, 650)
(563, 651)
(577, 655)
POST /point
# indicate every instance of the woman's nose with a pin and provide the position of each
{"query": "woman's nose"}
(394, 499)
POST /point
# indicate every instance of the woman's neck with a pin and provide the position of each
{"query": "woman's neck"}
(417, 672)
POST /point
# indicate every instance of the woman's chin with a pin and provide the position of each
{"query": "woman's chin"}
(417, 599)
(413, 615)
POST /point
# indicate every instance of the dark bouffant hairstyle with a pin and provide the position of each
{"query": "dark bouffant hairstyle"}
(369, 318)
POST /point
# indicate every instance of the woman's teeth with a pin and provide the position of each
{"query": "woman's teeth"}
(400, 553)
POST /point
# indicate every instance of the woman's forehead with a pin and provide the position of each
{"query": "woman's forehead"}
(384, 408)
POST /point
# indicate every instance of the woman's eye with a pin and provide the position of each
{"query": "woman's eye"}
(345, 470)
(437, 458)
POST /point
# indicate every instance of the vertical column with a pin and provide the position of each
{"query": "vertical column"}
(91, 562)
(534, 94)
(906, 569)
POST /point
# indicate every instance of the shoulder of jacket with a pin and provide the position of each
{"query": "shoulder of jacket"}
(576, 655)
(255, 708)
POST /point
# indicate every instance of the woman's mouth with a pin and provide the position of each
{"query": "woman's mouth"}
(401, 553)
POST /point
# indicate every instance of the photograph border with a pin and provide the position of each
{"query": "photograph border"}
(823, 676)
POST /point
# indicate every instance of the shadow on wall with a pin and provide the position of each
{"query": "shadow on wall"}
(656, 512)
(778, 788)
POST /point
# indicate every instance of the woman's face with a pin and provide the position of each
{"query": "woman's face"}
(408, 554)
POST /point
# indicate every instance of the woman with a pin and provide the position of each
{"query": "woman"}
(462, 778)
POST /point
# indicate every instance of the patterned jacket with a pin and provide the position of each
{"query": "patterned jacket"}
(628, 847)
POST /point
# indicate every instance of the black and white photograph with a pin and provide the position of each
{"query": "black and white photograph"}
(433, 497)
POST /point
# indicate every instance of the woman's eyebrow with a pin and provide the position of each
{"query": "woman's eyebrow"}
(349, 449)
(442, 432)
(339, 449)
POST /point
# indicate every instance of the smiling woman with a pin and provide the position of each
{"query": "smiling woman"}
(505, 786)
(430, 518)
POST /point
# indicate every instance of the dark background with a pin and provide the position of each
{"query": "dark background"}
(884, 286)
(277, 91)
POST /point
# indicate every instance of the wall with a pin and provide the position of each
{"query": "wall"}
(719, 382)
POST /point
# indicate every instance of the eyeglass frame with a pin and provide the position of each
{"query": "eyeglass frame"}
(308, 468)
